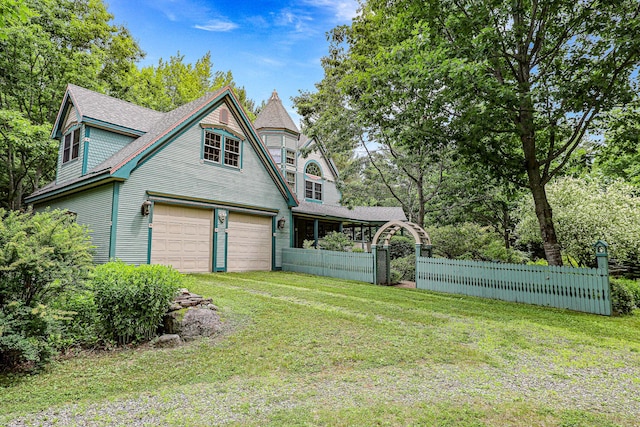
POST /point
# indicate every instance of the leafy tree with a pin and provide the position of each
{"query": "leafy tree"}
(514, 85)
(12, 12)
(26, 155)
(411, 178)
(585, 211)
(54, 42)
(173, 83)
(619, 156)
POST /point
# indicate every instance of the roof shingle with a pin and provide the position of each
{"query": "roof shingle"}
(358, 213)
(106, 109)
(274, 116)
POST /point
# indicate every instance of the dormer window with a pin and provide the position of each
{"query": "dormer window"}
(71, 148)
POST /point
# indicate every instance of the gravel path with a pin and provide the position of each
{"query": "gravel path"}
(612, 391)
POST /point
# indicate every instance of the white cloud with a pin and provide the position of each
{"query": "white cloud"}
(342, 10)
(217, 25)
(297, 20)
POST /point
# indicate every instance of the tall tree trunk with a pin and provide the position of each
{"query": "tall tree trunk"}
(421, 200)
(505, 226)
(544, 215)
(536, 185)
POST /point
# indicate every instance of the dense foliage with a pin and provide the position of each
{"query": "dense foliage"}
(585, 211)
(473, 242)
(510, 87)
(173, 83)
(42, 256)
(335, 241)
(131, 301)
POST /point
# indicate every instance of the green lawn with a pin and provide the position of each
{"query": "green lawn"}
(303, 350)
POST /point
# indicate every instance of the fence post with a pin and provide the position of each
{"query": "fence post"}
(429, 251)
(374, 251)
(388, 261)
(602, 258)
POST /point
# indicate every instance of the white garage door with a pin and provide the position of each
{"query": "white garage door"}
(181, 237)
(249, 242)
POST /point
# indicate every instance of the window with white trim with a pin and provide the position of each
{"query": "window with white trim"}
(232, 152)
(212, 146)
(313, 190)
(219, 148)
(71, 148)
(291, 157)
(313, 182)
(291, 180)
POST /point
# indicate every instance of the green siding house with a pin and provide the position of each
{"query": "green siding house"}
(194, 188)
(200, 188)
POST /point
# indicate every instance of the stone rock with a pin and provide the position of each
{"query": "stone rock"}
(199, 322)
(174, 307)
(167, 341)
(171, 322)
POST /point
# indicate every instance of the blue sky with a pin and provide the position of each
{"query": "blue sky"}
(267, 45)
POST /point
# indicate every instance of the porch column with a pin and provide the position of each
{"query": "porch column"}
(315, 233)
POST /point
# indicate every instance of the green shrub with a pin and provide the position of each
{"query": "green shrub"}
(405, 266)
(473, 242)
(401, 246)
(357, 250)
(42, 256)
(26, 335)
(79, 325)
(396, 276)
(308, 244)
(633, 286)
(335, 241)
(621, 297)
(494, 250)
(131, 301)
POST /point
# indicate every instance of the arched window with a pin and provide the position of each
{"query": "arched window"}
(314, 170)
(313, 182)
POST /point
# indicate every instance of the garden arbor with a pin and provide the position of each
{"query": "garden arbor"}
(382, 259)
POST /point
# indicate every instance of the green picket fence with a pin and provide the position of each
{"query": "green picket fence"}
(341, 265)
(580, 289)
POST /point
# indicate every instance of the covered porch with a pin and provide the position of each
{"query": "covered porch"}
(313, 221)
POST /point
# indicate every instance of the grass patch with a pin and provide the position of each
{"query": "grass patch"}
(304, 350)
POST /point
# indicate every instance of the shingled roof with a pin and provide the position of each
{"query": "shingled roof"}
(158, 127)
(274, 116)
(358, 213)
(103, 108)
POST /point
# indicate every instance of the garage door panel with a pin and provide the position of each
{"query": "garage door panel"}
(182, 237)
(249, 246)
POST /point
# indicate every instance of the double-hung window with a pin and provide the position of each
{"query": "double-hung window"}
(291, 180)
(291, 157)
(232, 152)
(222, 149)
(313, 190)
(313, 182)
(212, 146)
(71, 148)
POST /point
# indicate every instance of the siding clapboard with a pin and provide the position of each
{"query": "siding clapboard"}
(103, 144)
(93, 209)
(179, 170)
